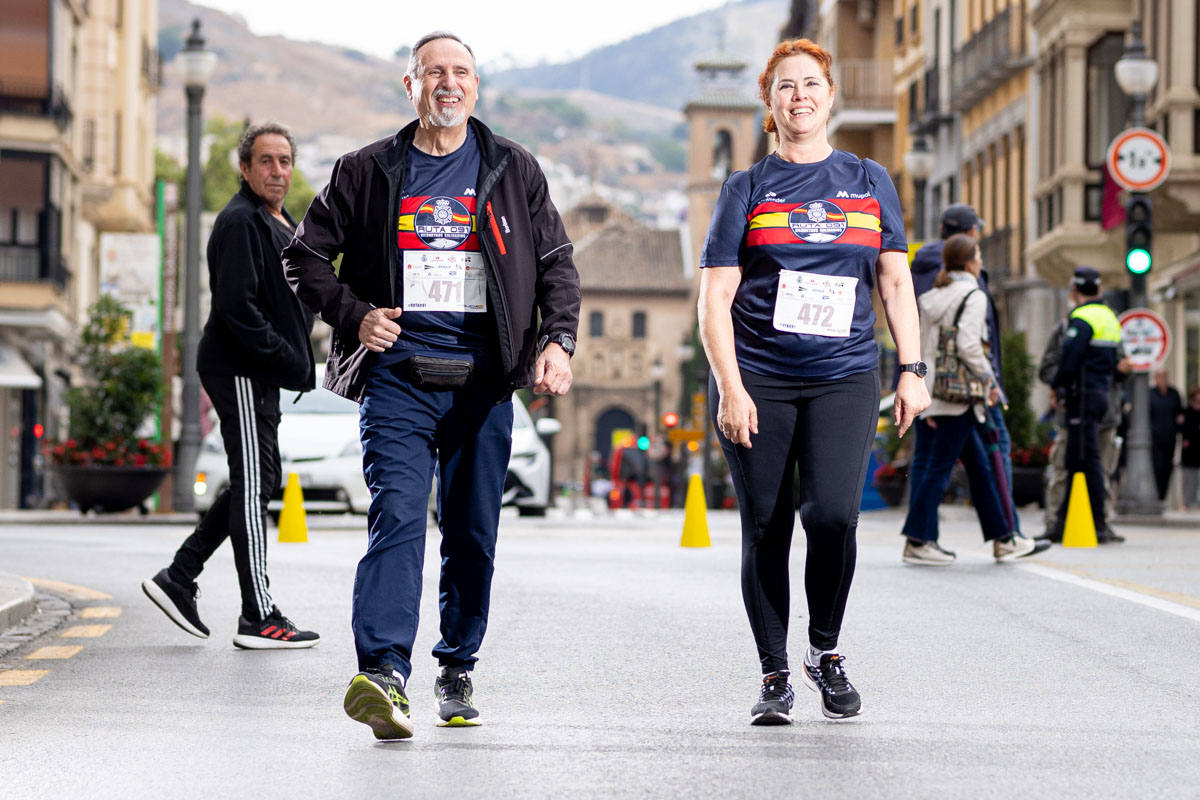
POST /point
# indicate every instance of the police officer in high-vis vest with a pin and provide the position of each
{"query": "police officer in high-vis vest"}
(1085, 374)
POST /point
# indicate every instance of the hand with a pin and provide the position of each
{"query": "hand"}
(737, 416)
(993, 395)
(1125, 366)
(377, 332)
(911, 399)
(552, 372)
(1053, 400)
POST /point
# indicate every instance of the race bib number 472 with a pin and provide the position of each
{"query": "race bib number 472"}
(822, 305)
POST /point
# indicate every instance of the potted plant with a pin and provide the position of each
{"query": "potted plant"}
(103, 463)
(1030, 447)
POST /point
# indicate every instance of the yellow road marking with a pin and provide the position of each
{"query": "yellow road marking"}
(55, 651)
(85, 631)
(69, 589)
(21, 677)
(100, 612)
(1140, 588)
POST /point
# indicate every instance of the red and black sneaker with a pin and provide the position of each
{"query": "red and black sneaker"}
(276, 632)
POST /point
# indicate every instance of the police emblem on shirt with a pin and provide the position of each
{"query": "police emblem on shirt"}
(442, 223)
(817, 221)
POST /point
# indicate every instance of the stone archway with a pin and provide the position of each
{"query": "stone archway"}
(609, 420)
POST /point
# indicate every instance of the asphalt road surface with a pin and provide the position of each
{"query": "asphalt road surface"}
(618, 664)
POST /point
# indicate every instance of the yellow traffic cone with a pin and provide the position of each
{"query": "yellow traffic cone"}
(293, 524)
(1080, 528)
(695, 516)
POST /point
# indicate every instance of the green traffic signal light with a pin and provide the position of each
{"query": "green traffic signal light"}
(643, 443)
(1138, 261)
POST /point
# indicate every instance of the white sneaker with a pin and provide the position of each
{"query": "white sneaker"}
(1013, 547)
(929, 554)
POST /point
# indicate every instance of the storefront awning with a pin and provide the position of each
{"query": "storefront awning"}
(15, 372)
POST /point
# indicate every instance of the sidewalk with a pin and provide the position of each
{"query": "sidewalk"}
(16, 601)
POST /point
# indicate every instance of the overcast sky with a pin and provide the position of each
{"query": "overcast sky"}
(510, 31)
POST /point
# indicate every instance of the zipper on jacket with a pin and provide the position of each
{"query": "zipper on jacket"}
(496, 229)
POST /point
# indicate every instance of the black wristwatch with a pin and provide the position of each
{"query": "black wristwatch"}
(564, 340)
(918, 367)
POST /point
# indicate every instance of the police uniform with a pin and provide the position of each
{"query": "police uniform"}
(1084, 377)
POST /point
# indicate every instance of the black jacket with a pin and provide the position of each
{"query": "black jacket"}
(255, 327)
(533, 287)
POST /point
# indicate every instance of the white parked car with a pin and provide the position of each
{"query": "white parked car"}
(319, 441)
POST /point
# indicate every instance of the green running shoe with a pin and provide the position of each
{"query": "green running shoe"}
(377, 700)
(453, 691)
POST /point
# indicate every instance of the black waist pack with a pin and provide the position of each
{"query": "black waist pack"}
(439, 373)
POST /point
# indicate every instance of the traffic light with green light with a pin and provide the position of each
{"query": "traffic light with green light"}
(643, 443)
(1138, 233)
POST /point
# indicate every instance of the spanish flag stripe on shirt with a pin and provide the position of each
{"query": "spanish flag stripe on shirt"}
(769, 222)
(784, 235)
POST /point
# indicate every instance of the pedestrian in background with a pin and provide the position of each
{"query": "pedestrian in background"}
(1082, 382)
(1056, 485)
(1166, 415)
(956, 300)
(254, 344)
(926, 266)
(456, 288)
(795, 247)
(1189, 454)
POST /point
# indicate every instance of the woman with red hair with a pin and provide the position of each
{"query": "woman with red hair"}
(795, 248)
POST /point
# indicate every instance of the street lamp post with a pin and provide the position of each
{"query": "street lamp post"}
(919, 164)
(1136, 74)
(198, 65)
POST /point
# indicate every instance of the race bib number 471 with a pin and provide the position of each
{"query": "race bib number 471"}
(444, 281)
(822, 305)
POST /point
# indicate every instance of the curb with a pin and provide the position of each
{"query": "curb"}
(16, 600)
(45, 517)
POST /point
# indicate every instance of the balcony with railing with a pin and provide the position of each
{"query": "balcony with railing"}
(32, 98)
(990, 57)
(39, 262)
(865, 95)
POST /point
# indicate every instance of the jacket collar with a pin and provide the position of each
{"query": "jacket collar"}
(260, 205)
(392, 158)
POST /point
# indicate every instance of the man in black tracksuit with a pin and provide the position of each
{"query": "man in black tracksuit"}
(255, 343)
(456, 287)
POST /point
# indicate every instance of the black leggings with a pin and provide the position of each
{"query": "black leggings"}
(821, 433)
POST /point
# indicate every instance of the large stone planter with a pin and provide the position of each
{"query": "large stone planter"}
(108, 488)
(892, 490)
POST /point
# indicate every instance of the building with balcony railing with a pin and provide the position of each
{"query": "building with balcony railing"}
(1077, 211)
(77, 83)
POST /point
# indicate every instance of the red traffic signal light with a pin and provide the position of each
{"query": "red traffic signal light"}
(670, 419)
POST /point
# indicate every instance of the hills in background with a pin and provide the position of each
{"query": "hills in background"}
(608, 122)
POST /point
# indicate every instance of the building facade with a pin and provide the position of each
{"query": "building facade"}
(636, 313)
(77, 81)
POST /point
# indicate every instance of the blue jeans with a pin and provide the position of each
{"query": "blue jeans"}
(953, 439)
(406, 432)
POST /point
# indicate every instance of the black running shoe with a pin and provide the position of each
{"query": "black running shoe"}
(838, 698)
(276, 632)
(177, 601)
(376, 698)
(453, 691)
(774, 706)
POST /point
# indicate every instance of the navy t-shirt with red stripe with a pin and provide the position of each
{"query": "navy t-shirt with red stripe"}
(828, 218)
(437, 214)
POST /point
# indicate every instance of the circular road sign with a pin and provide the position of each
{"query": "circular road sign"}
(1145, 337)
(1138, 159)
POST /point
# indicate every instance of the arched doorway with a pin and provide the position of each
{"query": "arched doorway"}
(612, 419)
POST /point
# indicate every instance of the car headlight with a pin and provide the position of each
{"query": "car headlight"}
(200, 487)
